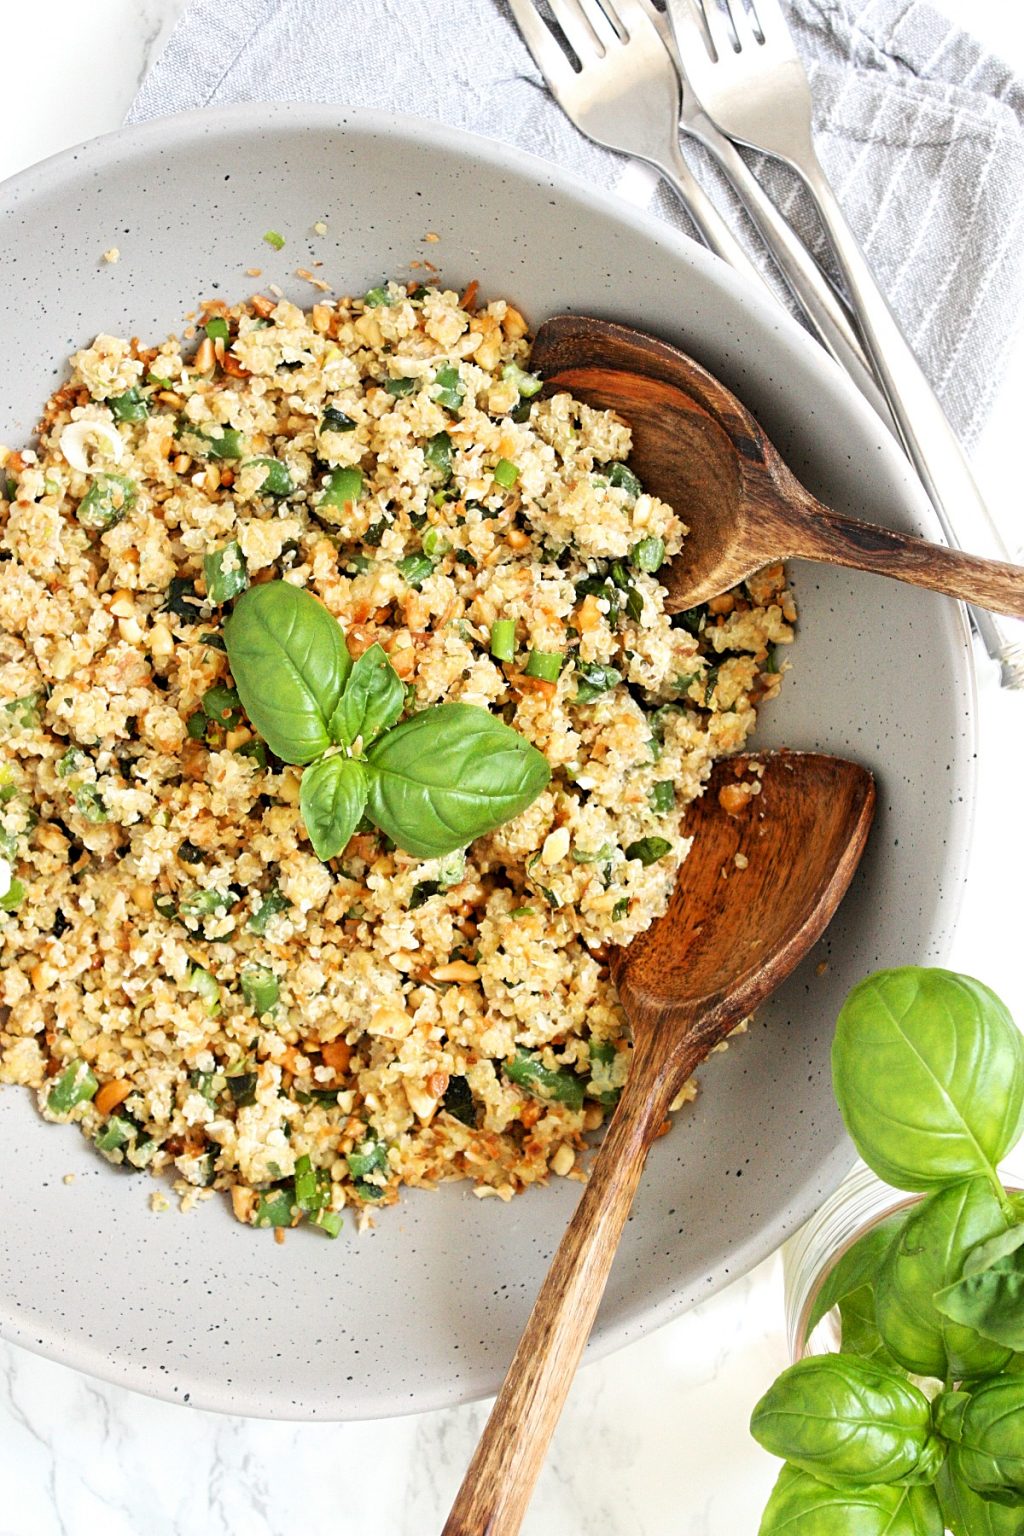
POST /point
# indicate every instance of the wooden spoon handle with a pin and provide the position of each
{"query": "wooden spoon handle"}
(497, 1486)
(825, 535)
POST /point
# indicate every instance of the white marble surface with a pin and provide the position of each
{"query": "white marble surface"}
(653, 1441)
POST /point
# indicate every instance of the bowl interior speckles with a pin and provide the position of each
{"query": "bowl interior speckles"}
(425, 1309)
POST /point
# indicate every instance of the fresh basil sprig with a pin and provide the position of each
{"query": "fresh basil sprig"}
(433, 783)
(928, 1069)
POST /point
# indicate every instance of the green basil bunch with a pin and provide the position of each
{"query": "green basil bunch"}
(928, 1071)
(432, 783)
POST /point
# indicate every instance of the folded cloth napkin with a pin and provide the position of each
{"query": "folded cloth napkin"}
(921, 132)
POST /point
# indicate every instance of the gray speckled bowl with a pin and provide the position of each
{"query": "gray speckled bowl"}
(426, 1309)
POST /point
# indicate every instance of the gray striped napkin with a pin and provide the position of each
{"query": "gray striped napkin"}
(921, 132)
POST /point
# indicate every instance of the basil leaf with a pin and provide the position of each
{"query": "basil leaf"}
(561, 1084)
(928, 1070)
(989, 1297)
(449, 775)
(966, 1513)
(986, 1426)
(372, 700)
(332, 796)
(926, 1255)
(849, 1421)
(800, 1505)
(859, 1328)
(290, 664)
(858, 1267)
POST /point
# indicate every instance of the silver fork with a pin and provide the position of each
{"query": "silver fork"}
(625, 96)
(629, 95)
(751, 83)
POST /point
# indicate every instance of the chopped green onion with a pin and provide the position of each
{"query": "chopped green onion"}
(131, 406)
(115, 1133)
(8, 487)
(207, 986)
(435, 544)
(89, 804)
(369, 1156)
(25, 710)
(75, 1085)
(217, 328)
(438, 454)
(602, 855)
(544, 664)
(449, 391)
(272, 903)
(222, 705)
(273, 238)
(620, 909)
(228, 443)
(344, 486)
(312, 1186)
(506, 473)
(376, 298)
(528, 1071)
(649, 554)
(503, 639)
(623, 478)
(528, 384)
(106, 502)
(415, 569)
(273, 1209)
(771, 663)
(225, 572)
(328, 1221)
(277, 481)
(204, 903)
(594, 679)
(335, 421)
(662, 796)
(648, 850)
(13, 897)
(397, 388)
(260, 988)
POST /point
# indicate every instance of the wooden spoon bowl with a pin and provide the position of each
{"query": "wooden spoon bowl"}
(699, 449)
(756, 890)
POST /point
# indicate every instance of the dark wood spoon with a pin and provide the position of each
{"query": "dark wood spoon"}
(700, 450)
(729, 937)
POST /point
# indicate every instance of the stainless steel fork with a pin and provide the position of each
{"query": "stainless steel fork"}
(752, 84)
(630, 95)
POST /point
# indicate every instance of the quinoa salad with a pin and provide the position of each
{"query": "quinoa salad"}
(183, 977)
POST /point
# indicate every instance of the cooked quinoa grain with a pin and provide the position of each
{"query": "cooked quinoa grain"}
(182, 976)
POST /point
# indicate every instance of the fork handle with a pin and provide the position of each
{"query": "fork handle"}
(805, 280)
(929, 439)
(709, 223)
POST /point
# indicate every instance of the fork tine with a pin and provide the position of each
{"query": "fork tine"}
(604, 22)
(742, 23)
(579, 34)
(689, 28)
(629, 16)
(717, 22)
(771, 20)
(547, 55)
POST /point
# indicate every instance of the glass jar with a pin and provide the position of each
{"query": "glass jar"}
(810, 1255)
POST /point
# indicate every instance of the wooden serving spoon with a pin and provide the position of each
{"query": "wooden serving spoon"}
(701, 451)
(732, 932)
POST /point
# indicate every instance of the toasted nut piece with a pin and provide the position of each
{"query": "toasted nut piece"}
(393, 1023)
(111, 1095)
(336, 1054)
(262, 306)
(734, 799)
(205, 357)
(513, 324)
(515, 538)
(593, 1117)
(42, 976)
(142, 895)
(563, 1161)
(123, 604)
(242, 1202)
(456, 970)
